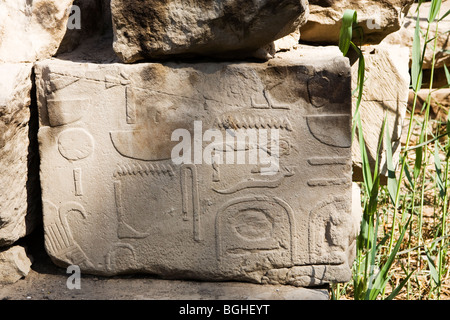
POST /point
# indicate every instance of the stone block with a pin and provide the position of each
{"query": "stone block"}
(118, 199)
(376, 18)
(156, 29)
(32, 30)
(19, 181)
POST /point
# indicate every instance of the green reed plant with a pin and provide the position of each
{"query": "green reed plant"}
(393, 215)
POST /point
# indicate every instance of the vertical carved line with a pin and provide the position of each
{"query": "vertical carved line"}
(131, 106)
(195, 199)
(184, 193)
(77, 180)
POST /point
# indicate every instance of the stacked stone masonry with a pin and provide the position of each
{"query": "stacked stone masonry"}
(113, 200)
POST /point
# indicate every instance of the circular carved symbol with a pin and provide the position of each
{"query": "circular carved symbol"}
(75, 144)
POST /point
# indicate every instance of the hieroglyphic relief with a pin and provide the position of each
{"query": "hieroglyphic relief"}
(249, 225)
(121, 257)
(269, 103)
(131, 106)
(219, 220)
(77, 177)
(191, 198)
(75, 144)
(331, 129)
(140, 181)
(252, 120)
(328, 235)
(63, 112)
(59, 240)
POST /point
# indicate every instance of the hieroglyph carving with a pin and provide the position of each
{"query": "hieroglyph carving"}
(118, 201)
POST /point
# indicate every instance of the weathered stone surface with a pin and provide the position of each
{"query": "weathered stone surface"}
(51, 286)
(289, 42)
(31, 30)
(376, 18)
(14, 264)
(116, 202)
(386, 90)
(405, 35)
(157, 29)
(16, 156)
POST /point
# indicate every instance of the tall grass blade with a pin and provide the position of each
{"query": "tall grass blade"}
(416, 67)
(418, 162)
(366, 170)
(429, 141)
(409, 177)
(434, 10)
(346, 32)
(396, 291)
(438, 166)
(360, 88)
(447, 74)
(392, 183)
(382, 277)
(445, 15)
(432, 267)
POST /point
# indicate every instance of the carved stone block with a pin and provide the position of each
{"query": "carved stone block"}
(116, 200)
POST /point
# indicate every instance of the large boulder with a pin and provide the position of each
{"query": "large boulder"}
(233, 28)
(376, 18)
(32, 30)
(19, 194)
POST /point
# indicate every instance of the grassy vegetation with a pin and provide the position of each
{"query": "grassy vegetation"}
(403, 245)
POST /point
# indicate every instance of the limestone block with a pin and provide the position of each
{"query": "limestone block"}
(18, 185)
(117, 200)
(156, 29)
(386, 91)
(405, 35)
(376, 18)
(14, 264)
(31, 30)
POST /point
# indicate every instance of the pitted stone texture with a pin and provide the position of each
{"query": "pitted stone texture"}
(18, 187)
(115, 202)
(31, 30)
(376, 18)
(386, 91)
(156, 29)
